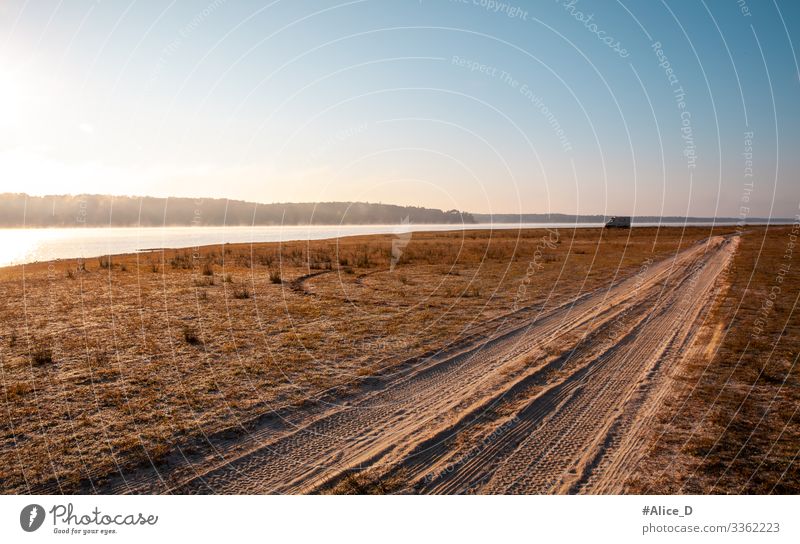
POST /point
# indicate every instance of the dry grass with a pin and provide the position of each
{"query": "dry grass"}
(151, 351)
(275, 276)
(731, 425)
(368, 482)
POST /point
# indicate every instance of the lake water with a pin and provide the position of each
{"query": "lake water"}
(21, 246)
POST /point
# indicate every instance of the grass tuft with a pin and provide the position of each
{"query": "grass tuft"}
(242, 293)
(42, 354)
(191, 337)
(275, 276)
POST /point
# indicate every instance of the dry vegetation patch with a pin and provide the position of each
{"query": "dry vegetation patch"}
(731, 424)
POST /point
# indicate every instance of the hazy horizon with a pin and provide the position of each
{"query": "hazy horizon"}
(472, 212)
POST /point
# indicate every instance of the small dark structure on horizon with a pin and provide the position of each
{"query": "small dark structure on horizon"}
(619, 222)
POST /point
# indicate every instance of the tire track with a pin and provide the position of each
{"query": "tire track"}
(564, 436)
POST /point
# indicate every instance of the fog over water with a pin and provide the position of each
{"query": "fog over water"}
(22, 246)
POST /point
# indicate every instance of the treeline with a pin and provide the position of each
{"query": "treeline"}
(20, 210)
(566, 218)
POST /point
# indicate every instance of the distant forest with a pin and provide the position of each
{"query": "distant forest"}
(20, 210)
(567, 218)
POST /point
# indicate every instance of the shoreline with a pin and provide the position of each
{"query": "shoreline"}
(326, 233)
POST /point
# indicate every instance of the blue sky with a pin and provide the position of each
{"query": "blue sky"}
(562, 106)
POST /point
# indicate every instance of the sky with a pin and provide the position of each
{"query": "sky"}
(641, 107)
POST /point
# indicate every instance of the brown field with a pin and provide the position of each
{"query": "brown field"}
(174, 362)
(730, 424)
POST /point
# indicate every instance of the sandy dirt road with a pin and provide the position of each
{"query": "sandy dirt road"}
(555, 404)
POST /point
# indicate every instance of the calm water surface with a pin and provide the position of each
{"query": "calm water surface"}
(21, 246)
